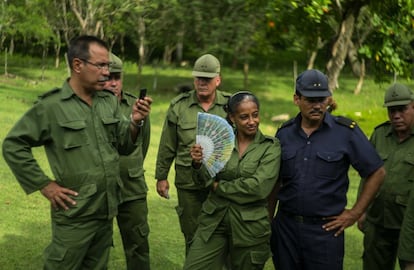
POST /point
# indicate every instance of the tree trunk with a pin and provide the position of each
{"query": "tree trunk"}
(314, 53)
(57, 46)
(358, 87)
(353, 59)
(180, 46)
(44, 56)
(340, 47)
(312, 58)
(5, 63)
(246, 75)
(11, 47)
(141, 48)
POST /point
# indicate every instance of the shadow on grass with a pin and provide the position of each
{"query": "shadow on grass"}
(22, 252)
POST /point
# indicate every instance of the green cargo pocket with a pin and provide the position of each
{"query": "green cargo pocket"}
(208, 207)
(259, 257)
(85, 204)
(144, 229)
(55, 253)
(402, 199)
(140, 233)
(134, 173)
(180, 211)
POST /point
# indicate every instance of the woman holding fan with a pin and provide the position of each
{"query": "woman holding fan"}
(234, 222)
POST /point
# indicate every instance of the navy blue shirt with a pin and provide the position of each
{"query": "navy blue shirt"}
(314, 169)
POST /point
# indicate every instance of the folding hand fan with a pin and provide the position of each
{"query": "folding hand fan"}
(216, 137)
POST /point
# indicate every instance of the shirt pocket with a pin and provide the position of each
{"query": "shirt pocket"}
(74, 134)
(329, 165)
(408, 167)
(111, 126)
(87, 203)
(400, 172)
(288, 164)
(135, 173)
(249, 169)
(253, 227)
(187, 132)
(402, 199)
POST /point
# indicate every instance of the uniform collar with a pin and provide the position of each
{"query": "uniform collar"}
(258, 139)
(390, 132)
(125, 100)
(67, 91)
(218, 100)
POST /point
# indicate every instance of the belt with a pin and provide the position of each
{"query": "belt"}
(305, 219)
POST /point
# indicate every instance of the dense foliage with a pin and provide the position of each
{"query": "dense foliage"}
(371, 37)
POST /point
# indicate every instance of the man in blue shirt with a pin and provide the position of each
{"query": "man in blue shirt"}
(317, 151)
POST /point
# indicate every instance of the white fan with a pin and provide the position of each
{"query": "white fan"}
(216, 137)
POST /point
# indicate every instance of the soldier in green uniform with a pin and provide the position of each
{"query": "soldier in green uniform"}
(406, 244)
(234, 221)
(82, 131)
(179, 133)
(133, 211)
(394, 141)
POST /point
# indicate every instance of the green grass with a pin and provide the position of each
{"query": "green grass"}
(25, 221)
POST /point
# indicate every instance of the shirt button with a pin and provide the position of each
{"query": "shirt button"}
(305, 159)
(308, 142)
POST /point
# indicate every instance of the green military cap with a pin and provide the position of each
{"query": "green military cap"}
(397, 95)
(116, 64)
(207, 66)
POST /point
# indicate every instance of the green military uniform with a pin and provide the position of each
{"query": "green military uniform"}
(178, 135)
(133, 211)
(82, 144)
(406, 244)
(234, 219)
(385, 215)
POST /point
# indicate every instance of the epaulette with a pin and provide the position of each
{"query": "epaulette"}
(386, 123)
(270, 138)
(180, 97)
(287, 123)
(345, 122)
(109, 91)
(130, 95)
(226, 94)
(49, 93)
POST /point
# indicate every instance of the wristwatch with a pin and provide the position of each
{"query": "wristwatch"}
(140, 123)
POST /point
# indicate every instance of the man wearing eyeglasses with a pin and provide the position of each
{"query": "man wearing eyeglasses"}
(83, 132)
(317, 151)
(179, 134)
(394, 141)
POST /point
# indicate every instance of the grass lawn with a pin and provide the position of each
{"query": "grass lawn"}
(25, 222)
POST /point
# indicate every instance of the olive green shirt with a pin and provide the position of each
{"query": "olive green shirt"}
(243, 187)
(179, 134)
(132, 165)
(406, 241)
(388, 208)
(81, 143)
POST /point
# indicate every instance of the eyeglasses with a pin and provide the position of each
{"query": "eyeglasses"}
(98, 65)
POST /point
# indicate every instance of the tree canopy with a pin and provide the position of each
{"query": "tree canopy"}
(371, 37)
